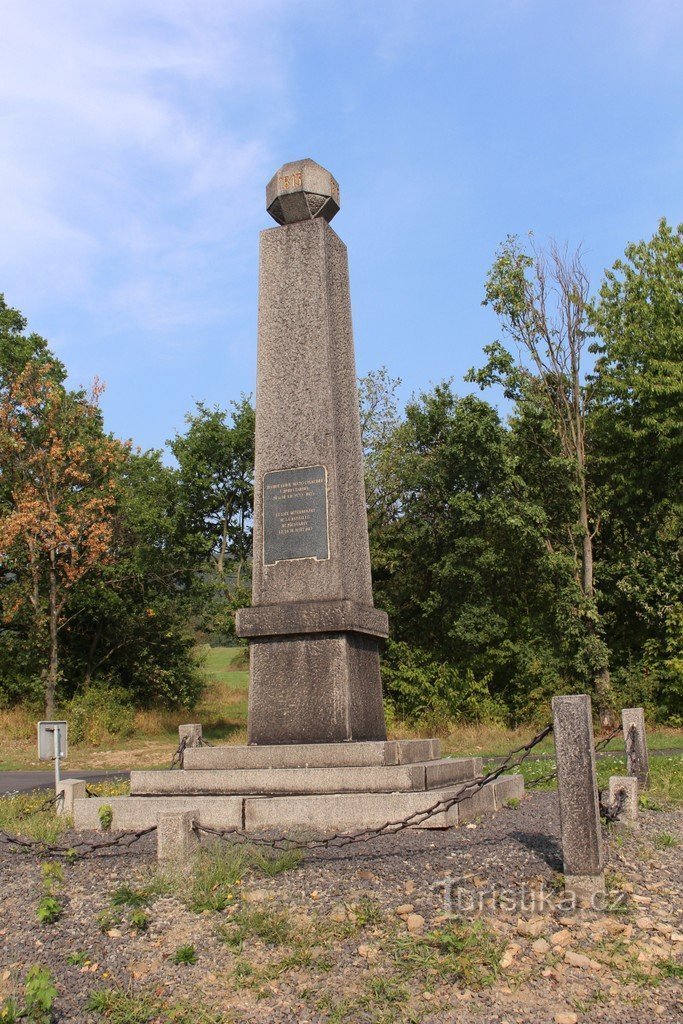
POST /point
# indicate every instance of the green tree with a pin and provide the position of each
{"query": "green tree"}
(461, 564)
(541, 300)
(216, 460)
(636, 421)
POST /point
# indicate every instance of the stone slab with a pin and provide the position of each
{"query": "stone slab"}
(267, 781)
(508, 787)
(325, 813)
(345, 811)
(313, 755)
(131, 812)
(301, 617)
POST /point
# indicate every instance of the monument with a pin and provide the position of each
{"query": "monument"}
(312, 629)
(317, 752)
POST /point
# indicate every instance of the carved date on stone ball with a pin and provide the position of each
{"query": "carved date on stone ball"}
(302, 190)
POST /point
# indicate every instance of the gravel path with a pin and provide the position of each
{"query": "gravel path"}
(352, 969)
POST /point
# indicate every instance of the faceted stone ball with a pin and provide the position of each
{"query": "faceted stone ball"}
(302, 190)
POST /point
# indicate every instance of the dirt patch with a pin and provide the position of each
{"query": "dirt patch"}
(427, 926)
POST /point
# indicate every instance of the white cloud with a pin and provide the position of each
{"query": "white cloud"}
(133, 138)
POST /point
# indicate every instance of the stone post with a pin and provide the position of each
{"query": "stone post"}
(313, 630)
(629, 786)
(192, 734)
(578, 793)
(635, 741)
(69, 790)
(176, 841)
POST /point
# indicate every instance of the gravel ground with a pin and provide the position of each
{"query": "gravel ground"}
(590, 966)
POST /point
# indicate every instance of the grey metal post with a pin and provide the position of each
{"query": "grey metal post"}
(635, 740)
(578, 792)
(58, 754)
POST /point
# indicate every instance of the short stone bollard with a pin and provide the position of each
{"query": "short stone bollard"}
(192, 734)
(69, 790)
(628, 786)
(635, 741)
(579, 802)
(176, 840)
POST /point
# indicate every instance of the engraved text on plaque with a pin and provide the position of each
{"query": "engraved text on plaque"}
(295, 514)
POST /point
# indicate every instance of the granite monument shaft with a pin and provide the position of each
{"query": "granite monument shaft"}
(313, 630)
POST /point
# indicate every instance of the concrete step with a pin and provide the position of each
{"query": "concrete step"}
(313, 755)
(271, 781)
(343, 812)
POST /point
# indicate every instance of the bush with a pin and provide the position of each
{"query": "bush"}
(425, 690)
(100, 712)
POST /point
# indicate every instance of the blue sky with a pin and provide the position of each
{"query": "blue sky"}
(137, 136)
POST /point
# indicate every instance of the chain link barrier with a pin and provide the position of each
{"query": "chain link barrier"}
(341, 839)
(78, 850)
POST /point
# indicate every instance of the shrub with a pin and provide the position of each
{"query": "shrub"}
(425, 690)
(100, 712)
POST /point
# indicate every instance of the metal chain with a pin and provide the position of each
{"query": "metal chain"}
(608, 739)
(178, 759)
(78, 850)
(341, 839)
(611, 810)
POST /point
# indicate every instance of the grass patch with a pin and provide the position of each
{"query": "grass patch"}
(275, 928)
(464, 952)
(126, 896)
(218, 871)
(665, 841)
(185, 955)
(21, 814)
(127, 1007)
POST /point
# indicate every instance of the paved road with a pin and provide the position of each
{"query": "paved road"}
(10, 782)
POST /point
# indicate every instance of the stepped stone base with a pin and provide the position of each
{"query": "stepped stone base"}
(313, 755)
(312, 786)
(317, 812)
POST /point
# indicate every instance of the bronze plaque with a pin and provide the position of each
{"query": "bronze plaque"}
(295, 514)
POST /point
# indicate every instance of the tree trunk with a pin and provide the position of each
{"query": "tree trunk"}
(604, 695)
(53, 669)
(220, 562)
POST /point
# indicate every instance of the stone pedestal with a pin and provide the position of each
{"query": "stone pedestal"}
(635, 741)
(313, 630)
(578, 794)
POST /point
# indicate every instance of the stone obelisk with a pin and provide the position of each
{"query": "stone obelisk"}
(313, 630)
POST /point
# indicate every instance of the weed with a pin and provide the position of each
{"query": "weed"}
(49, 910)
(10, 1011)
(275, 864)
(646, 803)
(273, 928)
(664, 841)
(126, 896)
(22, 814)
(53, 873)
(77, 959)
(463, 951)
(213, 883)
(514, 802)
(367, 912)
(139, 921)
(670, 968)
(39, 994)
(119, 1006)
(106, 816)
(185, 955)
(385, 990)
(107, 920)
